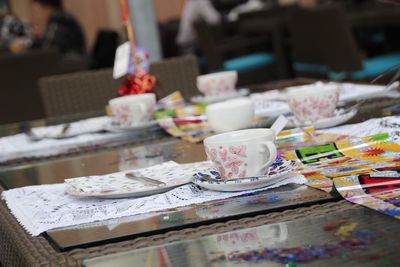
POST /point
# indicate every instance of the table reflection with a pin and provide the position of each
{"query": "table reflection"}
(375, 234)
(291, 195)
(124, 158)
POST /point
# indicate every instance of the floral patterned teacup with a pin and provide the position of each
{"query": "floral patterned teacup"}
(128, 111)
(217, 84)
(241, 154)
(310, 103)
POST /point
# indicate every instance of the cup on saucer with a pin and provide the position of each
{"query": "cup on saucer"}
(241, 154)
(310, 103)
(230, 115)
(217, 84)
(132, 110)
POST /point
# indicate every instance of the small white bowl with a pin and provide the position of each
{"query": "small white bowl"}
(230, 115)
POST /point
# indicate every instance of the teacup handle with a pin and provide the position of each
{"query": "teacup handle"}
(271, 148)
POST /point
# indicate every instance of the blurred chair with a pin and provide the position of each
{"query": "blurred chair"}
(104, 48)
(324, 47)
(241, 53)
(81, 92)
(179, 73)
(19, 95)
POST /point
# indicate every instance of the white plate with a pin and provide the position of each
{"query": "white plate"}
(332, 121)
(148, 191)
(120, 129)
(211, 180)
(212, 99)
(118, 185)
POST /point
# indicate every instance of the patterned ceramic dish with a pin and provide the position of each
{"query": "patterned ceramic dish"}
(212, 180)
(213, 99)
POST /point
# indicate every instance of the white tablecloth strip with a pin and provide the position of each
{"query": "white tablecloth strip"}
(86, 134)
(390, 125)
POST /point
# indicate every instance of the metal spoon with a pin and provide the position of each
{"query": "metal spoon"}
(147, 180)
(298, 125)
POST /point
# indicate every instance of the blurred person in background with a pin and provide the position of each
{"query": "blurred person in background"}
(53, 28)
(249, 6)
(11, 28)
(193, 11)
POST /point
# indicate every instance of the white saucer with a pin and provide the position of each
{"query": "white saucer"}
(338, 119)
(212, 99)
(120, 129)
(211, 180)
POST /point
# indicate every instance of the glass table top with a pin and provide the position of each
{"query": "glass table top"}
(359, 237)
(130, 157)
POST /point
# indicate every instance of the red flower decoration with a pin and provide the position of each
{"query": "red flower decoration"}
(138, 84)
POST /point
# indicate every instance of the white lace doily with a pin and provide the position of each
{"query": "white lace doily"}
(45, 207)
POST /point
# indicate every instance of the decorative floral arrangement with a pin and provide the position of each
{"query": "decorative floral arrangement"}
(138, 80)
(137, 84)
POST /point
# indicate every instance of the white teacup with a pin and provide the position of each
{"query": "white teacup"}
(230, 115)
(310, 103)
(132, 110)
(217, 84)
(240, 154)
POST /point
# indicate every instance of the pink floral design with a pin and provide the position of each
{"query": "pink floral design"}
(239, 151)
(224, 155)
(314, 108)
(122, 114)
(212, 153)
(230, 161)
(234, 165)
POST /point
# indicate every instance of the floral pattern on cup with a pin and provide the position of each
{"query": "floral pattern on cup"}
(231, 162)
(278, 168)
(124, 115)
(313, 107)
(217, 84)
(217, 88)
(133, 110)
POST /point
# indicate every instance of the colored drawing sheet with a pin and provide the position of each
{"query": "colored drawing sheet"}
(378, 189)
(346, 156)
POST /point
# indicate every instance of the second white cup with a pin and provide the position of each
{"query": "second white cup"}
(132, 110)
(230, 115)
